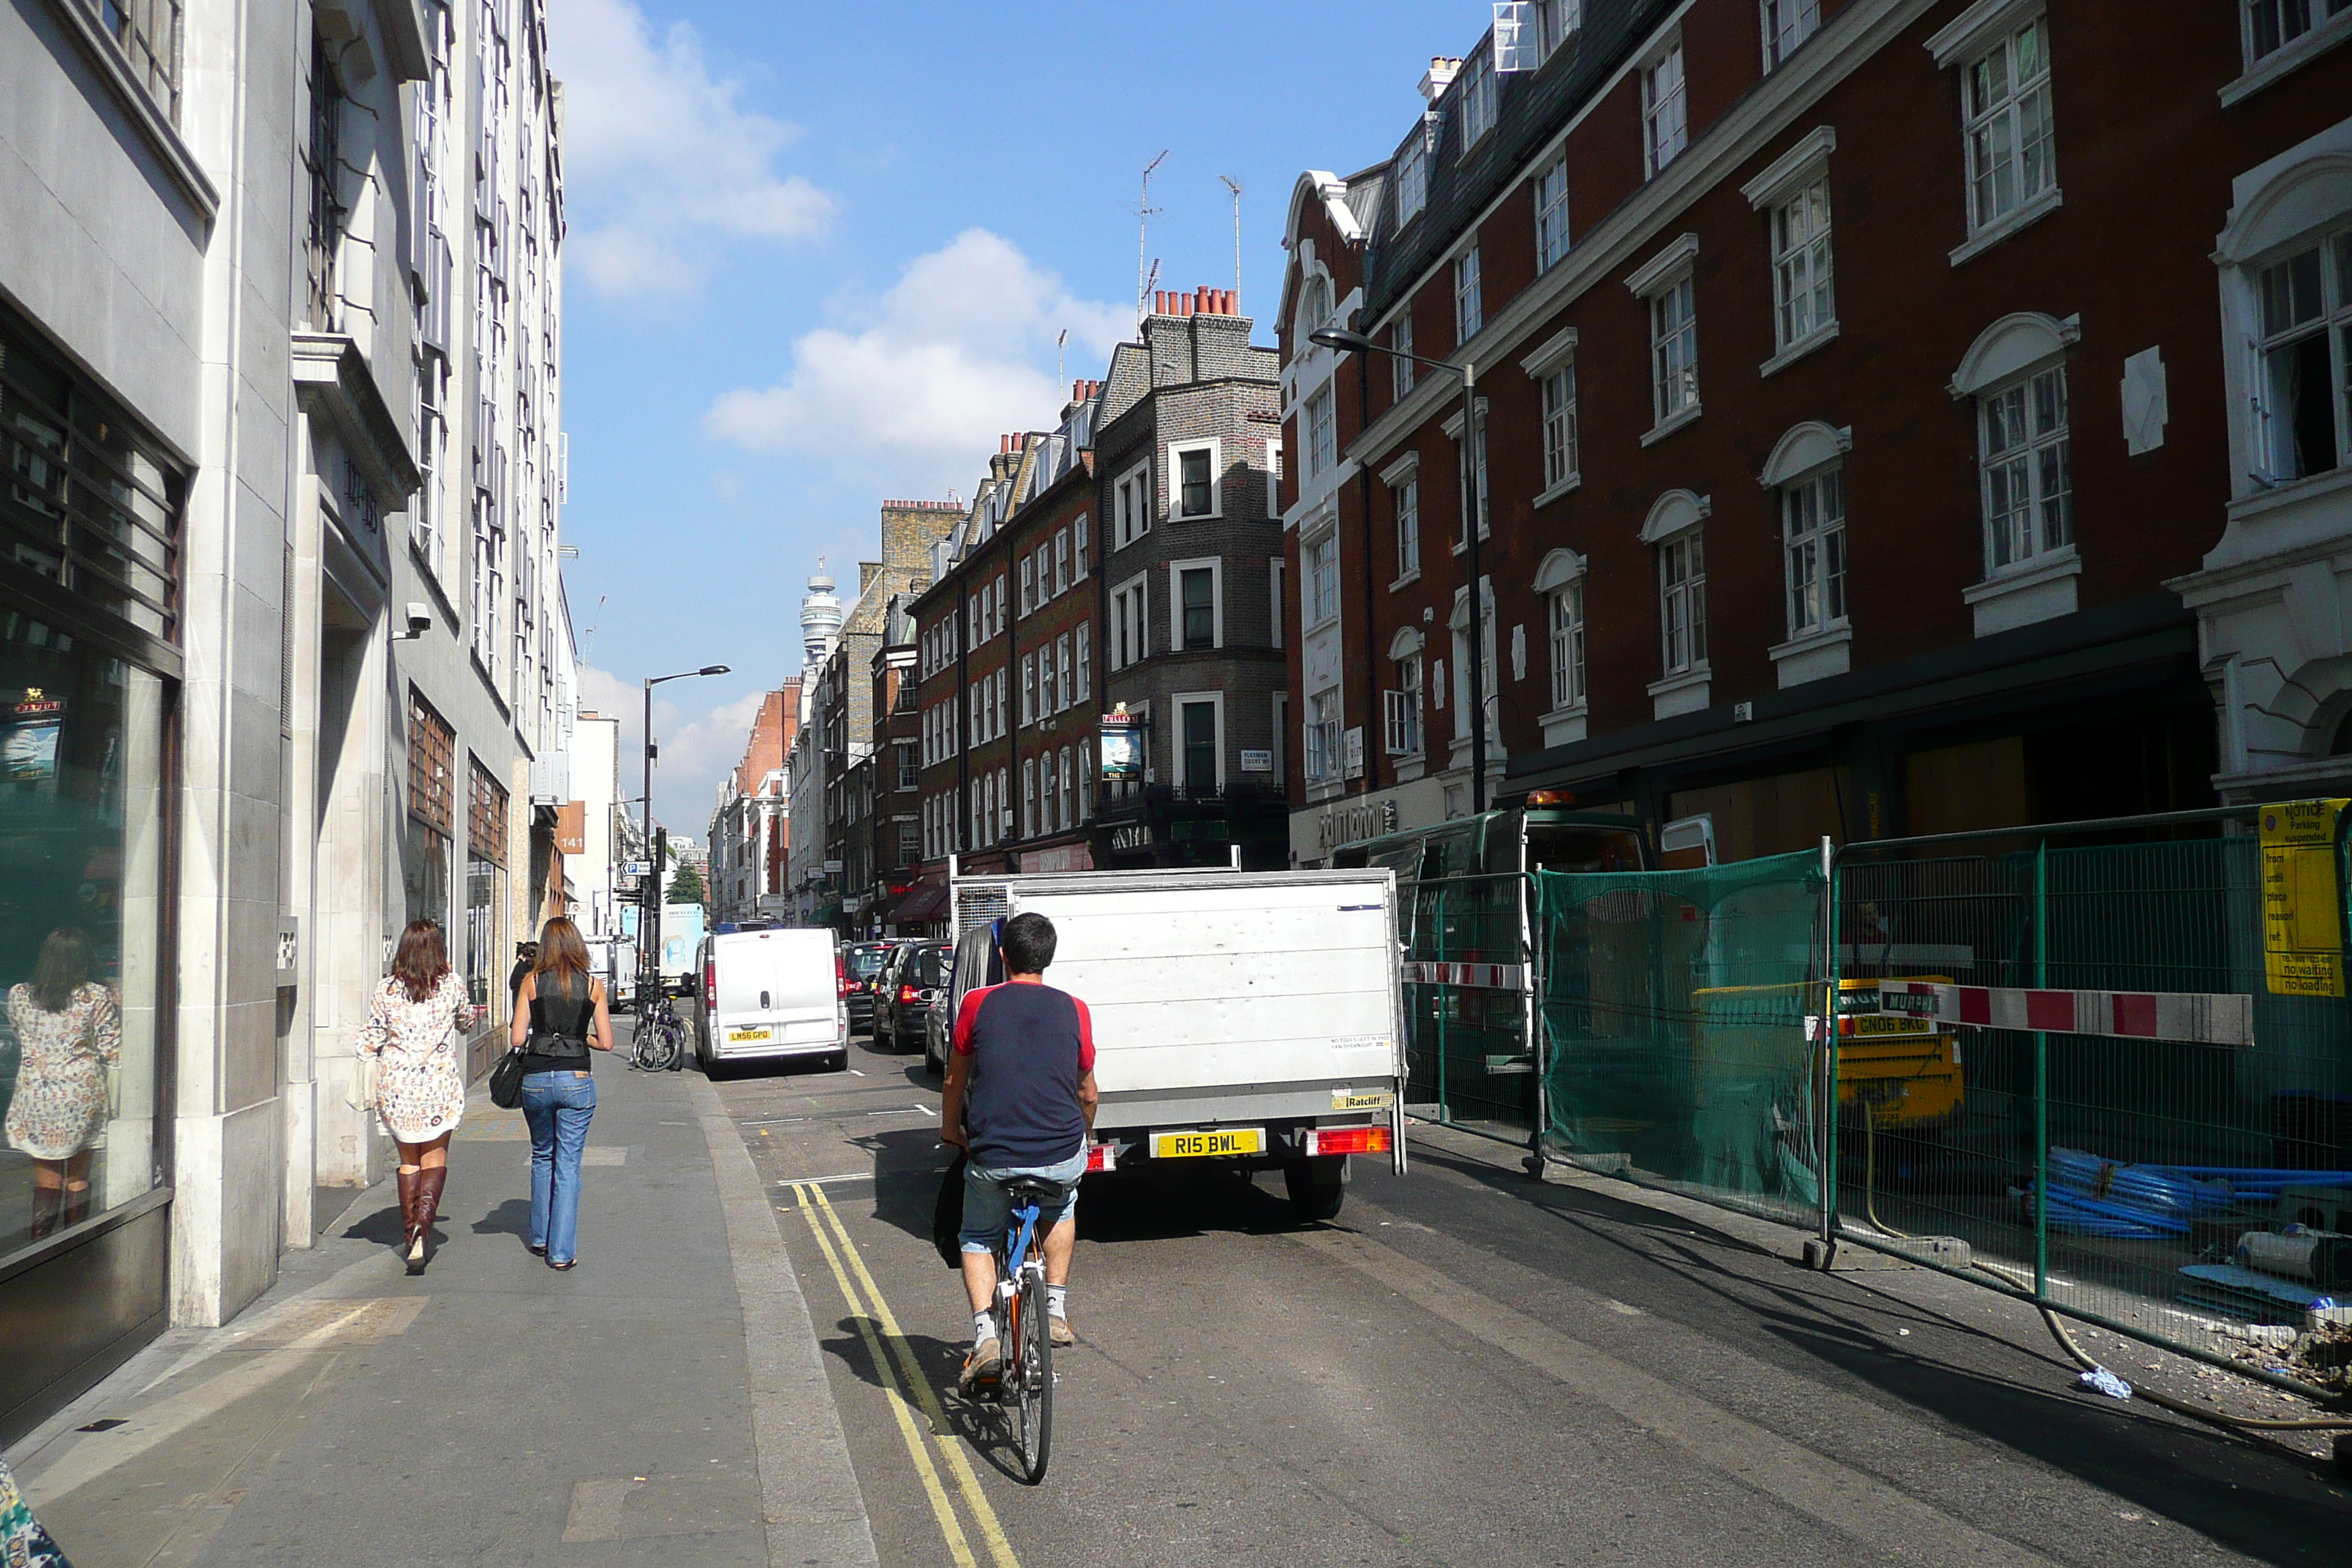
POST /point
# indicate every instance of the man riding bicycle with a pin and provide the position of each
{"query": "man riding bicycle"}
(1020, 1098)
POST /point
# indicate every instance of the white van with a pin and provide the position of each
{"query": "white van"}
(772, 996)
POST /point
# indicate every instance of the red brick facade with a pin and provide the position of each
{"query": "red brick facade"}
(1960, 702)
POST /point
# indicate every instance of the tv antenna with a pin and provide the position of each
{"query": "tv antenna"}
(588, 639)
(1235, 185)
(1060, 339)
(1143, 211)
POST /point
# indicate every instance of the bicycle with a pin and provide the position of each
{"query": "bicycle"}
(658, 1040)
(1024, 1380)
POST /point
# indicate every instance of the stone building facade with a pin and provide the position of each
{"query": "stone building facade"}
(285, 662)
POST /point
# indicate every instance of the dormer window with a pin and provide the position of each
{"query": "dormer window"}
(1473, 99)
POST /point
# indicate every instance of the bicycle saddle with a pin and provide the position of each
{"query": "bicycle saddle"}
(1034, 1189)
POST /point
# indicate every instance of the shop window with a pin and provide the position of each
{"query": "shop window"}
(82, 789)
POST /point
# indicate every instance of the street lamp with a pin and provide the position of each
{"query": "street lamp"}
(649, 924)
(1348, 341)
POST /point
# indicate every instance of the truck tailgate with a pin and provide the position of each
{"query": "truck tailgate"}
(1230, 986)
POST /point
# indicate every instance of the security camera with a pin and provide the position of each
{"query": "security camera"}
(420, 621)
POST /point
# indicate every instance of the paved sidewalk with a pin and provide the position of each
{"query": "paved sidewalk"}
(662, 1403)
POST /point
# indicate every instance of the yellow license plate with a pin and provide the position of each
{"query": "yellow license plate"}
(738, 1037)
(1192, 1145)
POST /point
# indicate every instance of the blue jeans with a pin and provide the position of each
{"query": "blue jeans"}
(557, 1105)
(987, 1210)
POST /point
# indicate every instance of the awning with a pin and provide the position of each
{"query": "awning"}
(919, 906)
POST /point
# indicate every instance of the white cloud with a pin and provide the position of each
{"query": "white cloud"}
(697, 749)
(952, 354)
(660, 157)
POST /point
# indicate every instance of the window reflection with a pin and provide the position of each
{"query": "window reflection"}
(81, 745)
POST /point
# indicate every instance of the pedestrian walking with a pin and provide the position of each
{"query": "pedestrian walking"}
(525, 958)
(23, 1543)
(415, 1019)
(561, 1014)
(69, 1031)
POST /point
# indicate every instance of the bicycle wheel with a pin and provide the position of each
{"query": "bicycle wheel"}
(1031, 1369)
(666, 1045)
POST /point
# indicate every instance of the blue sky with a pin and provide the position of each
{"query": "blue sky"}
(818, 255)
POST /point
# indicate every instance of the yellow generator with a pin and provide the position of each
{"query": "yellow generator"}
(1906, 1070)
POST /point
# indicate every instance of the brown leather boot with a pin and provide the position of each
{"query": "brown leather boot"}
(45, 1212)
(428, 1198)
(407, 1206)
(77, 1204)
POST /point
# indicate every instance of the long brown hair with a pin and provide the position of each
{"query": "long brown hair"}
(421, 960)
(62, 969)
(561, 952)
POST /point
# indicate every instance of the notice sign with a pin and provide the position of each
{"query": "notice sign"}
(2303, 922)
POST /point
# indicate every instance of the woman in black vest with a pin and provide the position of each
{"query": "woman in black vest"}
(560, 1016)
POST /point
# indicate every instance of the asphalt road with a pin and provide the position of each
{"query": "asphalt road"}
(1468, 1367)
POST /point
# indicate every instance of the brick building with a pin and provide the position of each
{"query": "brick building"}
(1187, 454)
(843, 709)
(751, 831)
(1851, 394)
(893, 832)
(1006, 650)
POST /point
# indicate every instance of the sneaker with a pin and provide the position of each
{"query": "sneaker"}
(987, 1359)
(1058, 1330)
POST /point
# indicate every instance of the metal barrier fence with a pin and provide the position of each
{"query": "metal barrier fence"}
(1675, 1049)
(2084, 1064)
(1470, 1056)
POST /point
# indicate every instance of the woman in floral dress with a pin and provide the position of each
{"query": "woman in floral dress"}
(71, 1029)
(415, 1019)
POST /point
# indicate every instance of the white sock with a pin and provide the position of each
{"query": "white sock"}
(1057, 1300)
(984, 1326)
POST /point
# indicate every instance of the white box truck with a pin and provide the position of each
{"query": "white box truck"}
(1251, 1018)
(771, 995)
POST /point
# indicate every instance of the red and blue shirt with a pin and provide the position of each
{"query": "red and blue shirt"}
(1029, 1045)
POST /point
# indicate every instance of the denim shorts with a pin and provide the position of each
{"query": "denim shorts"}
(987, 1210)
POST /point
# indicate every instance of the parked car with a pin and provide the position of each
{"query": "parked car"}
(863, 963)
(910, 985)
(771, 995)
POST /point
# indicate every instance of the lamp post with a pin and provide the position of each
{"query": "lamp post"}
(1357, 343)
(649, 924)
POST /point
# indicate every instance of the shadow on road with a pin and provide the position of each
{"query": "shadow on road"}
(980, 1423)
(1113, 1207)
(512, 1217)
(383, 1227)
(2271, 1504)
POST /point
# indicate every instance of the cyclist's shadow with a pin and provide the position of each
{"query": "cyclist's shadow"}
(980, 1422)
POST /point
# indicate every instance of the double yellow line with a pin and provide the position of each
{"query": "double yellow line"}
(908, 1387)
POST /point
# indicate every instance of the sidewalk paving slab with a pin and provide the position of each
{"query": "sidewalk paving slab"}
(664, 1403)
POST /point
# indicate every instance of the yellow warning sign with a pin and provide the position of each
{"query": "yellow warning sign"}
(2303, 919)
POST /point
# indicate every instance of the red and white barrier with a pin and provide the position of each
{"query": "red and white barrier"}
(2201, 1018)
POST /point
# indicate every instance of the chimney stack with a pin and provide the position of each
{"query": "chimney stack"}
(1442, 71)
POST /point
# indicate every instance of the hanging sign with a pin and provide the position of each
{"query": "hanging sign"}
(1122, 744)
(2303, 907)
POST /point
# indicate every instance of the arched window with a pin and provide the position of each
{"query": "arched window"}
(2016, 373)
(1560, 586)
